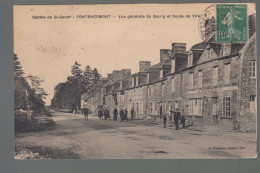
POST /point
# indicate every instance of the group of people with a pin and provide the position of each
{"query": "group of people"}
(123, 114)
(103, 114)
(179, 118)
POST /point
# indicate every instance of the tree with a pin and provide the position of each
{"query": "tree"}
(18, 71)
(76, 71)
(96, 79)
(68, 95)
(87, 82)
(23, 91)
(35, 83)
(97, 76)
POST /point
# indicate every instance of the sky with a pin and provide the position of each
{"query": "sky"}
(48, 48)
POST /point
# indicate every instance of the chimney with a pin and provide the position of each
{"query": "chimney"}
(110, 76)
(116, 75)
(143, 65)
(165, 54)
(178, 48)
(210, 28)
(125, 72)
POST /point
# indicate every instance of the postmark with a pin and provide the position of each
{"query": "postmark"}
(206, 18)
(232, 25)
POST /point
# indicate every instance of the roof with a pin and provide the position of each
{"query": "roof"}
(199, 46)
(109, 83)
(127, 82)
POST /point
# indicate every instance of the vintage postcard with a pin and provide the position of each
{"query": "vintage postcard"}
(136, 81)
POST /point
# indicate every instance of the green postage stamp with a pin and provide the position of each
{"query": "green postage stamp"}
(232, 23)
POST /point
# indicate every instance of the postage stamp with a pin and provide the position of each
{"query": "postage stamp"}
(232, 25)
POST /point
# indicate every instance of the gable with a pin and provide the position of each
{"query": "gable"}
(208, 54)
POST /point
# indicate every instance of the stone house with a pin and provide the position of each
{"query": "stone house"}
(214, 83)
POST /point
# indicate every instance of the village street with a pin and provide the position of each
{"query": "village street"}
(105, 139)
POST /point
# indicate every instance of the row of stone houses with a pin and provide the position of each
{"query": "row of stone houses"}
(212, 82)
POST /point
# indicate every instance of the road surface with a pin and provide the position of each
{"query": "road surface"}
(139, 139)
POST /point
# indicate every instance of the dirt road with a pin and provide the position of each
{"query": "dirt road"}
(137, 139)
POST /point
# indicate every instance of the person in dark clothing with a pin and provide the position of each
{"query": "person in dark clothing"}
(177, 116)
(161, 112)
(125, 115)
(115, 112)
(183, 119)
(105, 114)
(108, 114)
(164, 120)
(121, 114)
(132, 113)
(85, 112)
(100, 113)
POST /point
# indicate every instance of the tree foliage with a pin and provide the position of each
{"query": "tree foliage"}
(68, 95)
(23, 91)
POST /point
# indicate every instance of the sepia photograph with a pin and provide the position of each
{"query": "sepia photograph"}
(135, 81)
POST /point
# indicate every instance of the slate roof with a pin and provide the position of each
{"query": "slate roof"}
(199, 46)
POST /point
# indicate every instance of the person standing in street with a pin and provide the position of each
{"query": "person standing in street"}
(115, 112)
(164, 120)
(126, 114)
(132, 113)
(85, 112)
(121, 114)
(161, 112)
(99, 113)
(105, 114)
(108, 114)
(176, 119)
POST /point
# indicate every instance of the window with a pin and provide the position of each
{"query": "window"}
(161, 74)
(195, 106)
(173, 66)
(133, 82)
(226, 106)
(176, 105)
(123, 98)
(169, 108)
(190, 59)
(227, 73)
(148, 78)
(191, 80)
(136, 80)
(200, 79)
(252, 69)
(148, 92)
(162, 89)
(141, 108)
(118, 97)
(209, 52)
(121, 84)
(253, 103)
(226, 47)
(151, 108)
(214, 106)
(215, 76)
(173, 87)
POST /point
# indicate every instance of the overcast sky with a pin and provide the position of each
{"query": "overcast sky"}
(49, 47)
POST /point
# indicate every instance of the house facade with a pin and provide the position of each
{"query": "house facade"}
(214, 83)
